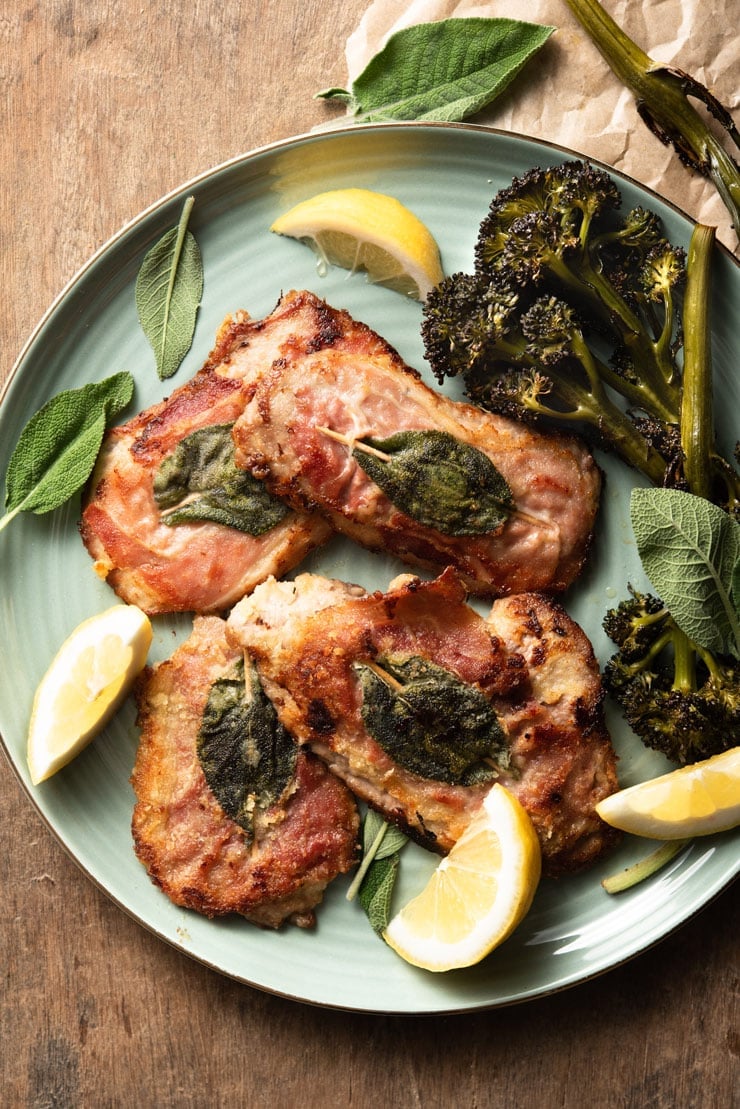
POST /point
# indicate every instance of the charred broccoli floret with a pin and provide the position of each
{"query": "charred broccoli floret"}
(618, 272)
(475, 324)
(572, 314)
(677, 697)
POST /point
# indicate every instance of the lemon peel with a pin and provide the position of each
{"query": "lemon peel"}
(86, 682)
(477, 895)
(359, 229)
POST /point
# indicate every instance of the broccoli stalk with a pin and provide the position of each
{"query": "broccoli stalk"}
(677, 696)
(662, 96)
(697, 435)
(706, 473)
(554, 334)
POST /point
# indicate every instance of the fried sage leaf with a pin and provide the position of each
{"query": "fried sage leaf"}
(430, 722)
(438, 480)
(247, 756)
(200, 481)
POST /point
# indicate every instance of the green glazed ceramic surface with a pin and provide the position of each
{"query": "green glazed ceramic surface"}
(447, 175)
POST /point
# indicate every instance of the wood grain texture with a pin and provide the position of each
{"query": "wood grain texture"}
(107, 106)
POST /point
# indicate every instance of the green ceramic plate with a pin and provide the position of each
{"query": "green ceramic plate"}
(447, 175)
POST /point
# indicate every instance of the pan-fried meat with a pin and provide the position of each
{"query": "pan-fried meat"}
(313, 639)
(357, 388)
(273, 867)
(561, 750)
(203, 566)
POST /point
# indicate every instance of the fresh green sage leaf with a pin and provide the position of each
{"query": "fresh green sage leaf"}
(391, 840)
(376, 892)
(438, 480)
(380, 840)
(446, 70)
(57, 449)
(200, 481)
(168, 291)
(247, 756)
(690, 550)
(430, 722)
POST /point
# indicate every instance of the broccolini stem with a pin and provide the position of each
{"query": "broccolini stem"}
(697, 434)
(597, 409)
(653, 357)
(657, 392)
(684, 662)
(661, 94)
(645, 868)
(622, 432)
(707, 473)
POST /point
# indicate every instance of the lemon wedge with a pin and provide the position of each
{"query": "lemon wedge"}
(477, 895)
(359, 229)
(89, 677)
(695, 800)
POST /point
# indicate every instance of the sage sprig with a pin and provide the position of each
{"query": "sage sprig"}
(57, 449)
(446, 70)
(376, 875)
(436, 479)
(168, 291)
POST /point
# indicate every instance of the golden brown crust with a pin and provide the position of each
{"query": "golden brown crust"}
(561, 749)
(357, 386)
(532, 661)
(200, 567)
(199, 857)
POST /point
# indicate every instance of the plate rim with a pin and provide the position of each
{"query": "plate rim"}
(328, 132)
(201, 178)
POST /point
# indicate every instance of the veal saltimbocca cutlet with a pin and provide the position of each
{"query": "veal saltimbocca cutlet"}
(256, 461)
(420, 703)
(231, 816)
(171, 523)
(348, 430)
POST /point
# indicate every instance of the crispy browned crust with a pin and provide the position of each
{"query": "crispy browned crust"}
(562, 755)
(199, 567)
(190, 848)
(533, 662)
(358, 386)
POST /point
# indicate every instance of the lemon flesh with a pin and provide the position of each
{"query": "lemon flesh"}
(477, 895)
(359, 229)
(89, 677)
(696, 800)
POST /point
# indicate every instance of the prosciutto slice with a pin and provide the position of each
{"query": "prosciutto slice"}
(202, 859)
(200, 566)
(531, 662)
(308, 411)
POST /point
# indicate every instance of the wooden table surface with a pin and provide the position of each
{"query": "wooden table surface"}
(106, 107)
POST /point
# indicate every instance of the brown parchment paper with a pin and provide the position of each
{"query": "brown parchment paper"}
(569, 95)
